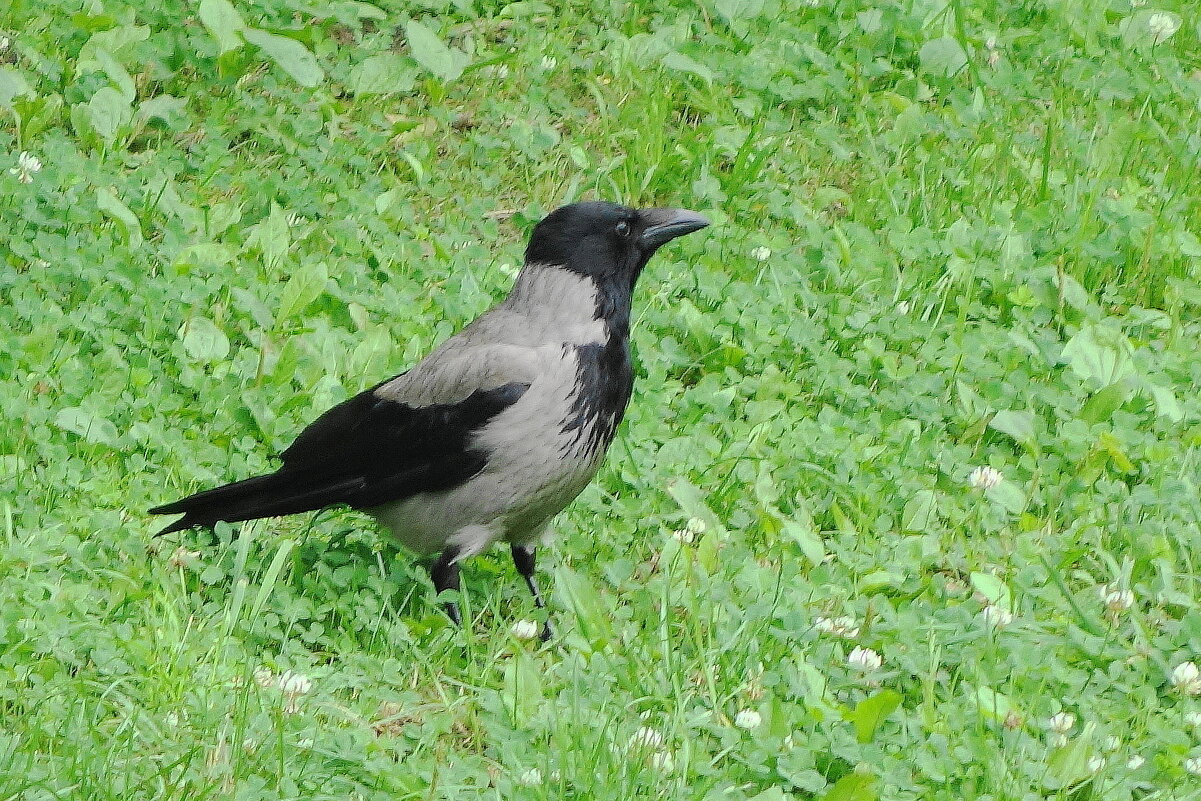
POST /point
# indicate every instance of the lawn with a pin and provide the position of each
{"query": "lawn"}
(906, 503)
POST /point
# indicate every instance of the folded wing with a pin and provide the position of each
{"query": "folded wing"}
(411, 434)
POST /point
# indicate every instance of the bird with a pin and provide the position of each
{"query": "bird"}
(499, 428)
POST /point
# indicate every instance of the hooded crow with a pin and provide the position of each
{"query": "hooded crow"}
(500, 427)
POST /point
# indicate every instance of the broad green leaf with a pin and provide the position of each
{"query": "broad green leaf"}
(1101, 405)
(168, 108)
(223, 22)
(113, 40)
(921, 511)
(1100, 354)
(1008, 496)
(91, 427)
(272, 237)
(770, 794)
(108, 203)
(305, 286)
(871, 712)
(382, 74)
(1068, 764)
(735, 10)
(107, 111)
(1166, 404)
(572, 591)
(943, 57)
(806, 536)
(120, 77)
(853, 787)
(1073, 292)
(290, 55)
(428, 50)
(203, 340)
(1019, 425)
(682, 63)
(12, 86)
(692, 502)
(993, 705)
(522, 689)
(993, 590)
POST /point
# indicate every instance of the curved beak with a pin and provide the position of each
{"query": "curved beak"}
(664, 225)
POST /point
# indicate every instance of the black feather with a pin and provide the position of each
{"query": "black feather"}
(363, 452)
(605, 377)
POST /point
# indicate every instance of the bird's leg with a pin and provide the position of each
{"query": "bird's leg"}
(445, 573)
(523, 560)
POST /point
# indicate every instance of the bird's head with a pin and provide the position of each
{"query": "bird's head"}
(605, 241)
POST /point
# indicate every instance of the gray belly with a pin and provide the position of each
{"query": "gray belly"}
(536, 467)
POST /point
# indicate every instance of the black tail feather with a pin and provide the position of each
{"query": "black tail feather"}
(281, 493)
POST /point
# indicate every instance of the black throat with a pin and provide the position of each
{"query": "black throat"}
(604, 373)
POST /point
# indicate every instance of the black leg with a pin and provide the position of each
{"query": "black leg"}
(445, 573)
(523, 560)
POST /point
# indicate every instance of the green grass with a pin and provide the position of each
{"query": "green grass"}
(983, 230)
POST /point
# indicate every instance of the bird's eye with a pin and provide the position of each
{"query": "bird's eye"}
(623, 228)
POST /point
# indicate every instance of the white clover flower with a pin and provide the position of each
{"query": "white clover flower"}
(1061, 722)
(1112, 743)
(172, 719)
(1193, 765)
(747, 719)
(1058, 740)
(646, 737)
(1186, 678)
(4, 43)
(524, 629)
(691, 529)
(549, 62)
(1162, 26)
(1135, 762)
(508, 270)
(761, 253)
(864, 659)
(531, 777)
(27, 165)
(500, 70)
(984, 478)
(1192, 719)
(264, 678)
(844, 627)
(293, 684)
(997, 616)
(1116, 599)
(903, 307)
(1095, 764)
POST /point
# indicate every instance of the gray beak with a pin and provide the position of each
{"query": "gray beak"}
(664, 225)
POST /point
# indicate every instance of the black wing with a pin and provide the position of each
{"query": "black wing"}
(363, 452)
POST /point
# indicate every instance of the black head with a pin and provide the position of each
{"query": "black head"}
(606, 241)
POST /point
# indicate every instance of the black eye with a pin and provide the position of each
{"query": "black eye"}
(623, 228)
